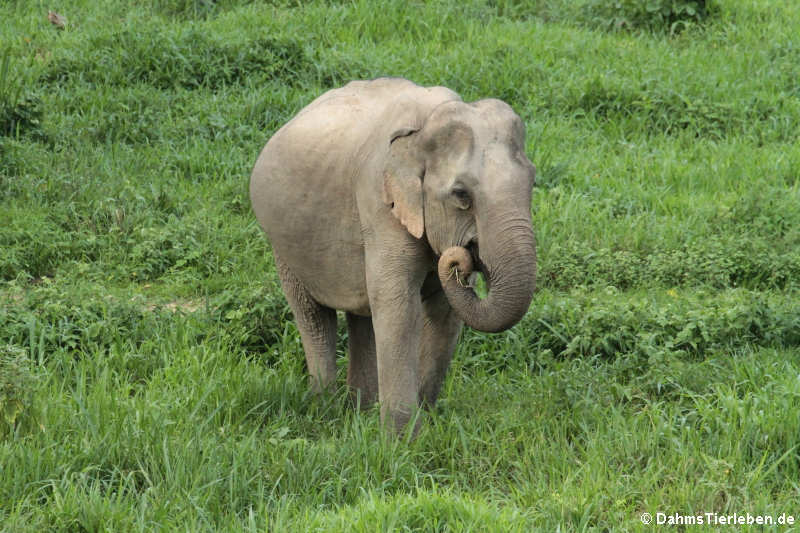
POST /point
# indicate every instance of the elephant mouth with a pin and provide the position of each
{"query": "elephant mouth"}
(474, 251)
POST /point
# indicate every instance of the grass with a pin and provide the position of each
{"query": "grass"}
(151, 377)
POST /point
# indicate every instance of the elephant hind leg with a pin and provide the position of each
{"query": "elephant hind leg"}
(362, 368)
(440, 329)
(317, 326)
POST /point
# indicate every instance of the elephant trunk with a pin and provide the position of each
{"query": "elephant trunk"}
(508, 262)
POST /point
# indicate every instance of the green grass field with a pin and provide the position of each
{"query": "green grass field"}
(151, 375)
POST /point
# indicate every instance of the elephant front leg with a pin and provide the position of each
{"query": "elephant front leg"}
(397, 335)
(440, 330)
(397, 322)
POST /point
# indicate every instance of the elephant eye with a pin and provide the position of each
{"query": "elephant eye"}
(461, 197)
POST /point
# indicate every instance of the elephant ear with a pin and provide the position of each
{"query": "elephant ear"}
(402, 181)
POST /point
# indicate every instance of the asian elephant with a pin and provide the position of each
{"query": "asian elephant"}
(380, 199)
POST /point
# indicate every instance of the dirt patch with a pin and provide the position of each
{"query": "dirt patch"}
(186, 306)
(12, 297)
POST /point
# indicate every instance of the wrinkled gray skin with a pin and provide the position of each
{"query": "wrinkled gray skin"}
(381, 199)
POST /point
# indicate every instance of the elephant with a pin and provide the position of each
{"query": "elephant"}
(384, 199)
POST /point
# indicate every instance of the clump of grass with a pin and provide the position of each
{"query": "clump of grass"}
(17, 383)
(655, 108)
(654, 16)
(254, 319)
(669, 324)
(716, 262)
(662, 16)
(20, 108)
(47, 322)
(153, 233)
(189, 59)
(425, 510)
(187, 8)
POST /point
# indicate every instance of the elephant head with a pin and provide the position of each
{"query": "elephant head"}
(463, 182)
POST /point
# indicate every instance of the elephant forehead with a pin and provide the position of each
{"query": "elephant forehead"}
(488, 120)
(503, 123)
(505, 165)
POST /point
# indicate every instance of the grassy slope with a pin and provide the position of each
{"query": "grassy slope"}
(656, 371)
